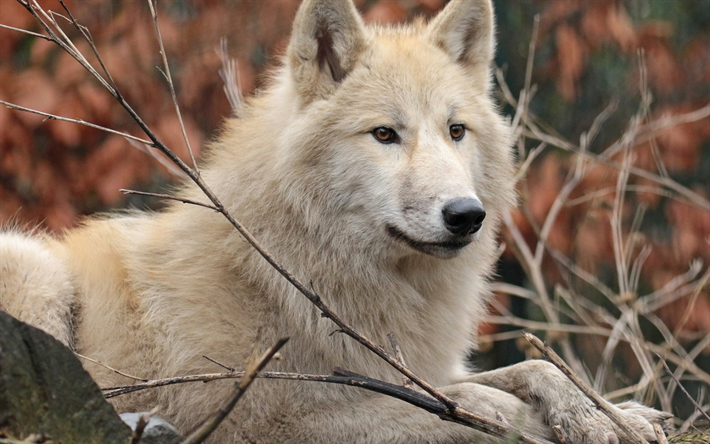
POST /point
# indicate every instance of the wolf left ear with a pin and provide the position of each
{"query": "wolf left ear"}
(465, 30)
(328, 37)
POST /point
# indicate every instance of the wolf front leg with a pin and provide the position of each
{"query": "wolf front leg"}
(545, 387)
(377, 418)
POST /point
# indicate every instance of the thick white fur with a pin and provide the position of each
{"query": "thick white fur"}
(153, 293)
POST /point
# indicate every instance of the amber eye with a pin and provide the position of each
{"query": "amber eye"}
(457, 131)
(384, 134)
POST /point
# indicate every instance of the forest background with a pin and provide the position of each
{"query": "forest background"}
(608, 264)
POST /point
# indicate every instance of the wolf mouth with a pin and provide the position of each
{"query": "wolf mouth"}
(432, 248)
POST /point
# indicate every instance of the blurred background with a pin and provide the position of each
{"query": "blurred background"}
(606, 258)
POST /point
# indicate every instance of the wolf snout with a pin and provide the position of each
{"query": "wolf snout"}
(463, 216)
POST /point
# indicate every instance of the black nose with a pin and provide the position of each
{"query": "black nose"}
(463, 216)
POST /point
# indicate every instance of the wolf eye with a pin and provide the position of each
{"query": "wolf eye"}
(457, 131)
(384, 134)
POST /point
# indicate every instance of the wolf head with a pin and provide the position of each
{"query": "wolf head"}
(396, 134)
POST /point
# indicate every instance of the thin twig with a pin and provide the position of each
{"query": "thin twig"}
(598, 401)
(406, 382)
(152, 4)
(214, 361)
(170, 197)
(136, 378)
(24, 31)
(214, 420)
(87, 36)
(695, 403)
(77, 121)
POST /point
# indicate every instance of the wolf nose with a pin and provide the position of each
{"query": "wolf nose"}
(463, 216)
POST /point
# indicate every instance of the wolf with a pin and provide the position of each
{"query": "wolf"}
(376, 166)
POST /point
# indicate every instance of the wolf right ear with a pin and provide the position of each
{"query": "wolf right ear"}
(465, 30)
(328, 36)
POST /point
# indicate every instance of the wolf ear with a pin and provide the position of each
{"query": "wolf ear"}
(328, 37)
(465, 30)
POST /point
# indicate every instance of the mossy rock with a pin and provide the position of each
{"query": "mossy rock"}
(45, 390)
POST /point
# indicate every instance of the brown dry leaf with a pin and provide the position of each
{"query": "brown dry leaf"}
(40, 51)
(544, 183)
(97, 101)
(593, 238)
(59, 216)
(681, 145)
(594, 23)
(67, 71)
(386, 12)
(118, 58)
(144, 43)
(698, 319)
(18, 152)
(35, 90)
(555, 12)
(169, 132)
(15, 15)
(572, 60)
(67, 133)
(664, 71)
(696, 60)
(104, 158)
(4, 123)
(430, 6)
(44, 182)
(11, 207)
(621, 29)
(121, 175)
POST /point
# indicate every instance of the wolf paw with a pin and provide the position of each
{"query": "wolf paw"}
(594, 427)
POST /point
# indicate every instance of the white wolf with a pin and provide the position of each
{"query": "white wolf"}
(366, 168)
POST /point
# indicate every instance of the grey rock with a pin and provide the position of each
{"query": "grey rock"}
(157, 431)
(45, 390)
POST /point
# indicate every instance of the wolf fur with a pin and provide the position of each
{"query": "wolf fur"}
(151, 293)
